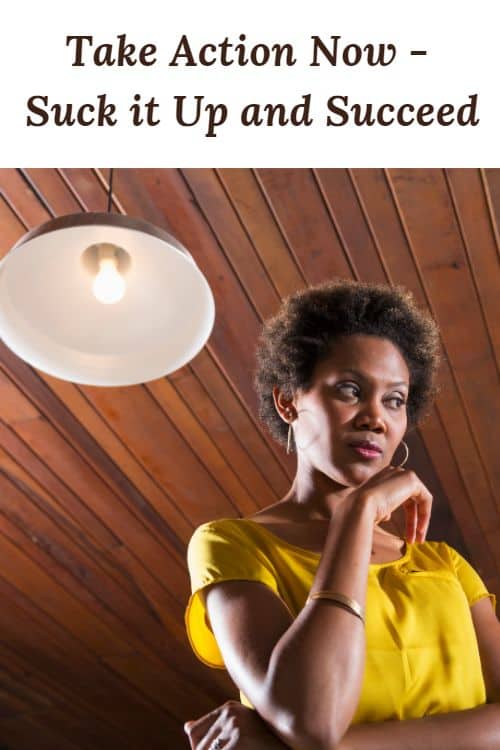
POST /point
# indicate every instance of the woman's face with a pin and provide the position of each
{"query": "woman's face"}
(352, 419)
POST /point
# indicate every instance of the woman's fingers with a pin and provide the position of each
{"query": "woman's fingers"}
(198, 728)
(216, 731)
(418, 514)
(410, 508)
(424, 517)
(404, 488)
(423, 500)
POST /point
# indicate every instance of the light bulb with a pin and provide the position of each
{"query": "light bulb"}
(109, 285)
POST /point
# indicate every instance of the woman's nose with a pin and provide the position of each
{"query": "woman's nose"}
(370, 418)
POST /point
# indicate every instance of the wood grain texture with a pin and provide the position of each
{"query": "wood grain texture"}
(102, 487)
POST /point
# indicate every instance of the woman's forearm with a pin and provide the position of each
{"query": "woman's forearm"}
(325, 645)
(473, 729)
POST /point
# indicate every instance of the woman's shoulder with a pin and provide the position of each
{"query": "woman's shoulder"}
(273, 518)
(218, 528)
(227, 532)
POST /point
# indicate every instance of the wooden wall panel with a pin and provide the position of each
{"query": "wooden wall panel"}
(303, 218)
(242, 189)
(83, 409)
(12, 226)
(213, 202)
(137, 419)
(439, 248)
(472, 212)
(238, 418)
(354, 233)
(212, 425)
(53, 191)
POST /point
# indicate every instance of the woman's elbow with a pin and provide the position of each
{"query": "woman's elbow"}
(295, 736)
(316, 737)
(298, 730)
(306, 739)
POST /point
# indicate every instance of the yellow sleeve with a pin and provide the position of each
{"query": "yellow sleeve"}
(217, 552)
(470, 580)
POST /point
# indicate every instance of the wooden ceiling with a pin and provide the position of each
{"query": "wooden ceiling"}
(101, 488)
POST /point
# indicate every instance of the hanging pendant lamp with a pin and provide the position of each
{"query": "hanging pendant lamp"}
(103, 299)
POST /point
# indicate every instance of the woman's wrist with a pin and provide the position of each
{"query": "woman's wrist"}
(358, 504)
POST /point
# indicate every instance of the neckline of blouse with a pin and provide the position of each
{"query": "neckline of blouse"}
(304, 550)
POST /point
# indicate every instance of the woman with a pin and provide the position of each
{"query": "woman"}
(337, 633)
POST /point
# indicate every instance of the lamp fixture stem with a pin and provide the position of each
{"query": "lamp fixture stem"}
(110, 191)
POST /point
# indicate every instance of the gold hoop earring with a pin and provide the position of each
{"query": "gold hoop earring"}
(407, 455)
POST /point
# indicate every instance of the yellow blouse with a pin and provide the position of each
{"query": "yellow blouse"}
(421, 651)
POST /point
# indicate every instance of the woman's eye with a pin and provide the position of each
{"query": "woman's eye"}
(349, 389)
(396, 401)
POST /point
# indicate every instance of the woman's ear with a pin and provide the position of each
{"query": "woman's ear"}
(284, 406)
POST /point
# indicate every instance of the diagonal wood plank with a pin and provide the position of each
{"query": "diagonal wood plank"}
(439, 248)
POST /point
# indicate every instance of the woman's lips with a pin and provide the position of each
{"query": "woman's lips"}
(366, 452)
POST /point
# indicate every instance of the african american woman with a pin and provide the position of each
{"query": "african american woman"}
(339, 634)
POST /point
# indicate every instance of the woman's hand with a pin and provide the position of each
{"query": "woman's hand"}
(393, 487)
(236, 726)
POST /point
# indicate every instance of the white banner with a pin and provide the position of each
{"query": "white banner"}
(270, 83)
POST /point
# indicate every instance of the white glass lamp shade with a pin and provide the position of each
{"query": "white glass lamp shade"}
(50, 315)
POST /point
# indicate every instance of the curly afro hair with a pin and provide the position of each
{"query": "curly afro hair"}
(305, 328)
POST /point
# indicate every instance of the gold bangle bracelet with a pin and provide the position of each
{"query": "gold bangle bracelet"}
(345, 601)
